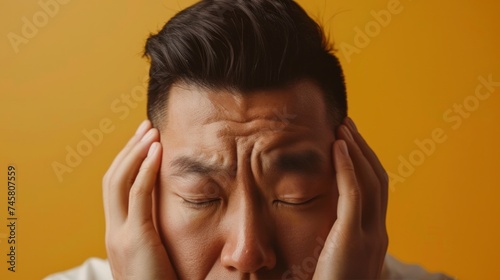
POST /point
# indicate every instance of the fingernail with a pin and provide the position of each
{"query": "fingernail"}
(153, 148)
(142, 127)
(352, 125)
(343, 148)
(148, 135)
(348, 133)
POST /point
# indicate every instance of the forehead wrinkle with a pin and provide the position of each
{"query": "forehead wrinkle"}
(255, 127)
(239, 106)
(200, 164)
(228, 104)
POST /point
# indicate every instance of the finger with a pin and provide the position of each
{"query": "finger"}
(349, 204)
(367, 151)
(144, 127)
(374, 161)
(368, 182)
(125, 175)
(141, 130)
(141, 193)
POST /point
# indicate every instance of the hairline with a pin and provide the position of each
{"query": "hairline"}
(160, 120)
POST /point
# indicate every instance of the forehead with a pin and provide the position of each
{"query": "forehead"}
(220, 127)
(191, 107)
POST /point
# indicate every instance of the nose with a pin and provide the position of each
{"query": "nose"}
(248, 247)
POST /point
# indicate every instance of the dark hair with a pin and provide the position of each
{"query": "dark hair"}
(242, 45)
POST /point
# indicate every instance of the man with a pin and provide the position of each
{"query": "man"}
(249, 167)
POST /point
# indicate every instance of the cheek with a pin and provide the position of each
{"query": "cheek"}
(302, 236)
(189, 243)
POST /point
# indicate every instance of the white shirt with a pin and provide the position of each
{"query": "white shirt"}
(98, 269)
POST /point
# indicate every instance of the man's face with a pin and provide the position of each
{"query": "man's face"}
(247, 187)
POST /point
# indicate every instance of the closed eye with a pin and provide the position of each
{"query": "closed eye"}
(200, 204)
(296, 202)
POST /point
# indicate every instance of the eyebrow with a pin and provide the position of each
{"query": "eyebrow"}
(189, 165)
(308, 161)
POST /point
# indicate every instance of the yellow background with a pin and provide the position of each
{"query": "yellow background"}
(79, 64)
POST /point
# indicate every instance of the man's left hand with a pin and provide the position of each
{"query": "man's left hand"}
(357, 243)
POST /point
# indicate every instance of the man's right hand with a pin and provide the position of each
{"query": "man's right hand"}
(134, 247)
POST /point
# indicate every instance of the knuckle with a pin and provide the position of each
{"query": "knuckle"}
(145, 168)
(354, 193)
(138, 190)
(383, 240)
(386, 241)
(347, 167)
(112, 243)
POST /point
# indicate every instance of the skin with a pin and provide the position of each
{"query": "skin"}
(246, 187)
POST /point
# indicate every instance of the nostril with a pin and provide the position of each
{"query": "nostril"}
(248, 257)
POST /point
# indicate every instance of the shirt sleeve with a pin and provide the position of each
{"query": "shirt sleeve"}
(91, 269)
(396, 270)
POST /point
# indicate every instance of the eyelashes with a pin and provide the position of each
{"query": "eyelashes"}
(201, 204)
(294, 204)
(204, 204)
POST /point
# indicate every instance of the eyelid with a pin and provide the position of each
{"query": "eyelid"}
(287, 203)
(199, 204)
